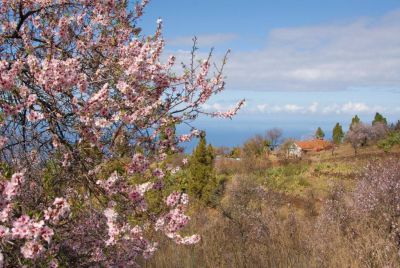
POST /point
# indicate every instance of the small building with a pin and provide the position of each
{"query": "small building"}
(294, 150)
(299, 148)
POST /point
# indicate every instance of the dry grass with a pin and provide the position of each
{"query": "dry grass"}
(287, 224)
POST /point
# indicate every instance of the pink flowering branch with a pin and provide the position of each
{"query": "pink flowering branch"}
(82, 87)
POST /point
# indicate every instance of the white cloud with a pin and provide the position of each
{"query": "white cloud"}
(207, 40)
(285, 108)
(354, 107)
(313, 107)
(292, 108)
(348, 108)
(363, 53)
(220, 106)
(263, 108)
(334, 108)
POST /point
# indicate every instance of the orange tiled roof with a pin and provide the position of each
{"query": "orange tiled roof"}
(314, 145)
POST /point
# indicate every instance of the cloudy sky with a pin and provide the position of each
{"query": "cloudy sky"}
(298, 64)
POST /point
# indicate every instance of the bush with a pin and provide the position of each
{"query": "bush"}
(392, 139)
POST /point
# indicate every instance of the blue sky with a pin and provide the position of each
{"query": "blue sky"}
(298, 64)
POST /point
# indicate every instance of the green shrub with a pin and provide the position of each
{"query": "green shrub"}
(202, 180)
(392, 139)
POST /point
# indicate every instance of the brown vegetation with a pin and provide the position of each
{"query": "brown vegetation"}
(264, 220)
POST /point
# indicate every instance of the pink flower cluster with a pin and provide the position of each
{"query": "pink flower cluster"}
(9, 190)
(113, 229)
(32, 231)
(176, 198)
(139, 164)
(116, 184)
(57, 211)
(111, 185)
(175, 220)
(79, 76)
(230, 113)
(117, 232)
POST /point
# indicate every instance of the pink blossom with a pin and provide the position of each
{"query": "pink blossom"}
(173, 199)
(5, 213)
(144, 187)
(176, 220)
(113, 230)
(87, 77)
(158, 173)
(184, 138)
(139, 164)
(34, 116)
(110, 184)
(1, 259)
(47, 233)
(184, 199)
(3, 141)
(57, 211)
(135, 196)
(188, 240)
(12, 188)
(149, 251)
(4, 231)
(53, 263)
(32, 249)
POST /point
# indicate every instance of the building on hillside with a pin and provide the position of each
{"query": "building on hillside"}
(299, 148)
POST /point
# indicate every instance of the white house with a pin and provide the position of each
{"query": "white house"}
(298, 148)
(295, 150)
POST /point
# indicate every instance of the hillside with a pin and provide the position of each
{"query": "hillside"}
(280, 215)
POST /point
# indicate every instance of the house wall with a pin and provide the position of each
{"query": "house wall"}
(295, 151)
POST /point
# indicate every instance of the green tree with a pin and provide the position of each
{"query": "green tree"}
(256, 146)
(319, 134)
(391, 140)
(396, 127)
(202, 179)
(337, 134)
(379, 119)
(236, 152)
(354, 121)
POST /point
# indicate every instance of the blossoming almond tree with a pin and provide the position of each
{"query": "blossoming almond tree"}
(77, 80)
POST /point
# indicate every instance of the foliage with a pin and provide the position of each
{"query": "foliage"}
(202, 180)
(388, 142)
(222, 151)
(87, 117)
(236, 152)
(395, 127)
(287, 178)
(319, 133)
(379, 119)
(337, 134)
(258, 227)
(256, 146)
(274, 136)
(360, 134)
(354, 121)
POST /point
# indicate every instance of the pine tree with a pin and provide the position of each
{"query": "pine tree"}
(210, 154)
(202, 179)
(337, 134)
(379, 119)
(354, 121)
(319, 134)
(396, 127)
